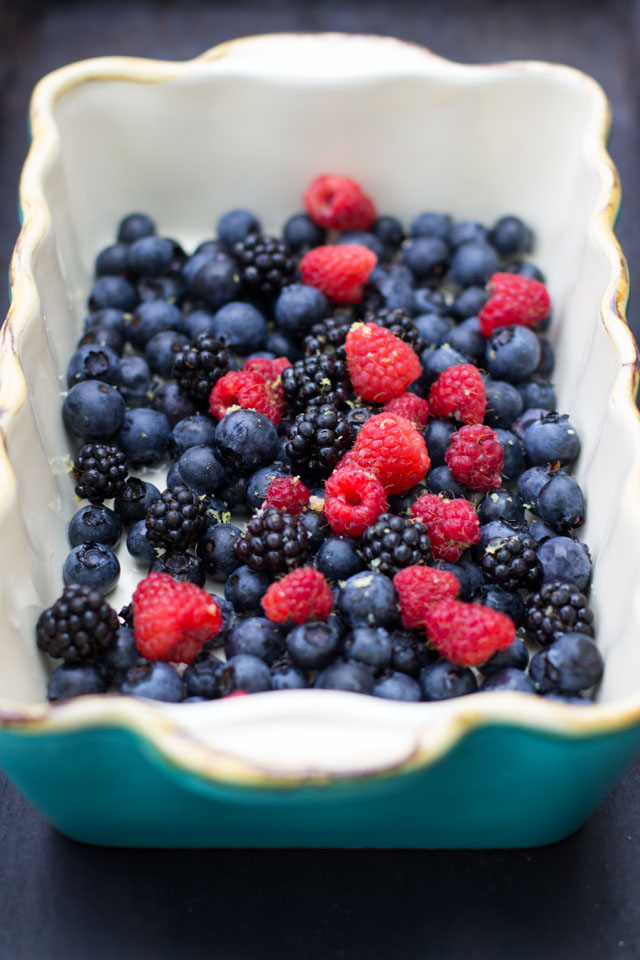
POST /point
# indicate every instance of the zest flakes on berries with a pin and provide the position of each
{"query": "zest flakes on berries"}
(323, 363)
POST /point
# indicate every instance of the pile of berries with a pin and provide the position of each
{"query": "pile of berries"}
(374, 407)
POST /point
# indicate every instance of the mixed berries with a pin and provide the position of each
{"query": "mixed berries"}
(362, 452)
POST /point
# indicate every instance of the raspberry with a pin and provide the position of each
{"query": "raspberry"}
(338, 203)
(172, 620)
(475, 457)
(381, 366)
(354, 499)
(513, 299)
(467, 634)
(247, 390)
(390, 447)
(302, 595)
(459, 393)
(271, 370)
(410, 406)
(339, 272)
(420, 588)
(288, 494)
(452, 525)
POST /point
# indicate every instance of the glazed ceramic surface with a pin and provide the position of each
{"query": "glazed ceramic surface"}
(250, 124)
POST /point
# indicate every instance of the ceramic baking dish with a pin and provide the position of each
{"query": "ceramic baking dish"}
(251, 123)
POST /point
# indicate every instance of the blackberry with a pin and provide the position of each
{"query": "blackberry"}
(177, 519)
(100, 470)
(79, 624)
(398, 322)
(318, 438)
(266, 265)
(328, 337)
(392, 543)
(512, 562)
(274, 542)
(316, 380)
(199, 366)
(555, 609)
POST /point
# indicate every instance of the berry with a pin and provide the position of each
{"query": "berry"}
(437, 435)
(434, 329)
(171, 400)
(288, 494)
(215, 281)
(459, 393)
(339, 203)
(467, 231)
(475, 457)
(298, 308)
(427, 257)
(555, 609)
(369, 600)
(399, 687)
(94, 362)
(419, 589)
(381, 366)
(100, 471)
(256, 636)
(150, 318)
(138, 544)
(135, 382)
(515, 657)
(398, 322)
(198, 367)
(354, 498)
(135, 499)
(505, 601)
(392, 449)
(300, 596)
(144, 435)
(560, 502)
(93, 410)
(317, 439)
(266, 265)
(565, 559)
(509, 679)
(93, 564)
(473, 263)
(172, 619)
(443, 680)
(177, 519)
(95, 523)
(260, 481)
(410, 406)
(338, 558)
(119, 655)
(112, 293)
(312, 646)
(245, 588)
(197, 430)
(274, 542)
(78, 626)
(246, 440)
(510, 236)
(512, 562)
(551, 439)
(339, 272)
(244, 673)
(134, 226)
(75, 680)
(392, 543)
(181, 566)
(512, 353)
(315, 380)
(513, 299)
(247, 390)
(467, 634)
(234, 225)
(150, 256)
(217, 550)
(328, 337)
(370, 645)
(352, 676)
(466, 338)
(572, 663)
(301, 233)
(410, 653)
(202, 677)
(241, 326)
(154, 681)
(452, 525)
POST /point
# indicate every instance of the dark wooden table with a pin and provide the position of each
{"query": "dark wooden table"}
(577, 899)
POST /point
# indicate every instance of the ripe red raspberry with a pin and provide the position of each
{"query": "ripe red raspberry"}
(381, 366)
(248, 390)
(339, 272)
(288, 494)
(513, 299)
(354, 499)
(301, 595)
(468, 634)
(421, 588)
(475, 457)
(338, 203)
(271, 370)
(410, 406)
(392, 449)
(459, 393)
(452, 525)
(172, 619)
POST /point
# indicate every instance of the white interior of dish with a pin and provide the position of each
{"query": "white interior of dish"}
(251, 128)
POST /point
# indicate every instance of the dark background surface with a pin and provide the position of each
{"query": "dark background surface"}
(577, 899)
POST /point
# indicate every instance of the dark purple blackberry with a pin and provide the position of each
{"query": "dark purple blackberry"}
(512, 562)
(555, 609)
(398, 322)
(328, 337)
(274, 542)
(392, 543)
(266, 265)
(177, 519)
(198, 367)
(79, 624)
(318, 438)
(100, 470)
(315, 380)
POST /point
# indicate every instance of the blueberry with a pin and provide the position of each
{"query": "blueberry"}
(93, 410)
(298, 307)
(469, 574)
(514, 656)
(442, 681)
(161, 350)
(144, 435)
(93, 564)
(235, 491)
(400, 503)
(150, 256)
(139, 545)
(467, 339)
(120, 655)
(242, 326)
(192, 266)
(154, 681)
(509, 679)
(552, 439)
(283, 346)
(504, 601)
(369, 600)
(370, 645)
(536, 391)
(245, 588)
(430, 224)
(433, 328)
(530, 483)
(216, 282)
(202, 677)
(135, 381)
(300, 233)
(260, 481)
(513, 454)
(114, 292)
(364, 239)
(315, 523)
(498, 528)
(159, 288)
(201, 470)
(504, 403)
(540, 530)
(501, 505)
(194, 431)
(235, 225)
(312, 646)
(171, 400)
(75, 680)
(547, 358)
(102, 337)
(338, 558)
(358, 416)
(570, 664)
(180, 566)
(255, 635)
(135, 500)
(426, 300)
(390, 233)
(511, 236)
(467, 231)
(246, 440)
(468, 303)
(134, 226)
(94, 362)
(108, 318)
(398, 686)
(426, 257)
(245, 672)
(394, 284)
(437, 435)
(198, 321)
(435, 360)
(152, 317)
(286, 676)
(525, 420)
(472, 264)
(409, 652)
(565, 559)
(353, 676)
(512, 353)
(560, 501)
(112, 260)
(96, 523)
(441, 480)
(527, 269)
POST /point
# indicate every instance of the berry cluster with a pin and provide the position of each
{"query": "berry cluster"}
(377, 406)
